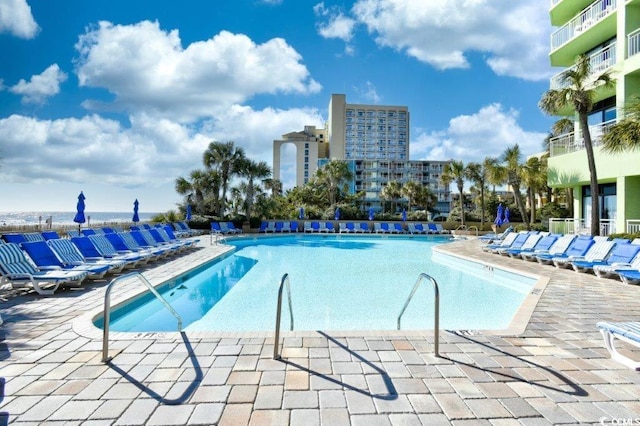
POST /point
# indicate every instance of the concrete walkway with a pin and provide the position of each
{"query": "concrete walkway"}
(556, 372)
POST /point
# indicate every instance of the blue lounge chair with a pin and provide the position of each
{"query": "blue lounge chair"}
(621, 254)
(315, 226)
(229, 228)
(293, 226)
(284, 227)
(433, 229)
(167, 236)
(381, 227)
(307, 227)
(107, 250)
(397, 228)
(521, 239)
(263, 226)
(493, 237)
(68, 253)
(215, 228)
(504, 243)
(89, 250)
(577, 247)
(16, 269)
(14, 238)
(158, 240)
(127, 243)
(630, 276)
(628, 332)
(50, 235)
(558, 247)
(364, 227)
(598, 251)
(415, 228)
(46, 259)
(541, 243)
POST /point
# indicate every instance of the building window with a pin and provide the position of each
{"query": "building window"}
(607, 201)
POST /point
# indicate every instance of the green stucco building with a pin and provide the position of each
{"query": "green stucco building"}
(608, 32)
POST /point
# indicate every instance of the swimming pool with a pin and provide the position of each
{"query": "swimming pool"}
(337, 283)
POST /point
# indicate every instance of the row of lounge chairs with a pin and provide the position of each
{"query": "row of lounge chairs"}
(605, 258)
(351, 227)
(45, 261)
(224, 228)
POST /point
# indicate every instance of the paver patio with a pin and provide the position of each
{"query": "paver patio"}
(555, 372)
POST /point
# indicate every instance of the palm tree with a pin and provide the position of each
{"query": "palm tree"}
(226, 158)
(411, 191)
(480, 174)
(578, 93)
(455, 171)
(273, 185)
(392, 191)
(510, 171)
(252, 170)
(332, 175)
(624, 135)
(534, 174)
(200, 189)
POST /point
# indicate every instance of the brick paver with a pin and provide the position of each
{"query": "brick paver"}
(554, 371)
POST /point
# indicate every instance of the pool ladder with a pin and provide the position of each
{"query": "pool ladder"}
(107, 309)
(436, 327)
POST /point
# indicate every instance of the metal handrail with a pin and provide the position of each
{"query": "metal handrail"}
(276, 341)
(107, 309)
(473, 227)
(436, 323)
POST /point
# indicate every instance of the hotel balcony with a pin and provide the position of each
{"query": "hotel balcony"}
(600, 62)
(633, 43)
(574, 36)
(572, 142)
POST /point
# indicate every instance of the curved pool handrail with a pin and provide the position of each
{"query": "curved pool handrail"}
(107, 309)
(436, 323)
(276, 341)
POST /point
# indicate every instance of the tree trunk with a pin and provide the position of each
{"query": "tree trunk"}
(595, 210)
(482, 207)
(532, 204)
(460, 189)
(520, 203)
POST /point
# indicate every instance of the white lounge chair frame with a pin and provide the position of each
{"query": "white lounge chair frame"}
(628, 332)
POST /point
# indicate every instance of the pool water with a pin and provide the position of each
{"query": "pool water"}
(337, 283)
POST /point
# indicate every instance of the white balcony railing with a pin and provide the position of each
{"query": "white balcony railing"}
(600, 61)
(580, 226)
(581, 23)
(633, 43)
(571, 142)
(633, 226)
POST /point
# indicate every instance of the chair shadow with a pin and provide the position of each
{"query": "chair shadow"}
(576, 389)
(186, 394)
(391, 394)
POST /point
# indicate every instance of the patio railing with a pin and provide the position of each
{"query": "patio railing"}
(633, 226)
(581, 226)
(571, 142)
(581, 23)
(599, 62)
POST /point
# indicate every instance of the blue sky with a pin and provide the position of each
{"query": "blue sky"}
(118, 98)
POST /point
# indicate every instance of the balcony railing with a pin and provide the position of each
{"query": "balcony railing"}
(633, 43)
(571, 142)
(580, 226)
(600, 61)
(589, 17)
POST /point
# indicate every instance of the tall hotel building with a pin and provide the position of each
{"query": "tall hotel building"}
(374, 140)
(608, 32)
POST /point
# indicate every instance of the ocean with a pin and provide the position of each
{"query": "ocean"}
(63, 219)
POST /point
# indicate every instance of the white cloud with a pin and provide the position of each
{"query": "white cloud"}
(337, 25)
(368, 93)
(40, 86)
(152, 151)
(511, 34)
(148, 70)
(16, 19)
(272, 2)
(487, 133)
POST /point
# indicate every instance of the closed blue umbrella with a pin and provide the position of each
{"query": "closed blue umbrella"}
(507, 213)
(337, 214)
(135, 218)
(370, 213)
(301, 215)
(188, 216)
(79, 217)
(404, 215)
(499, 215)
